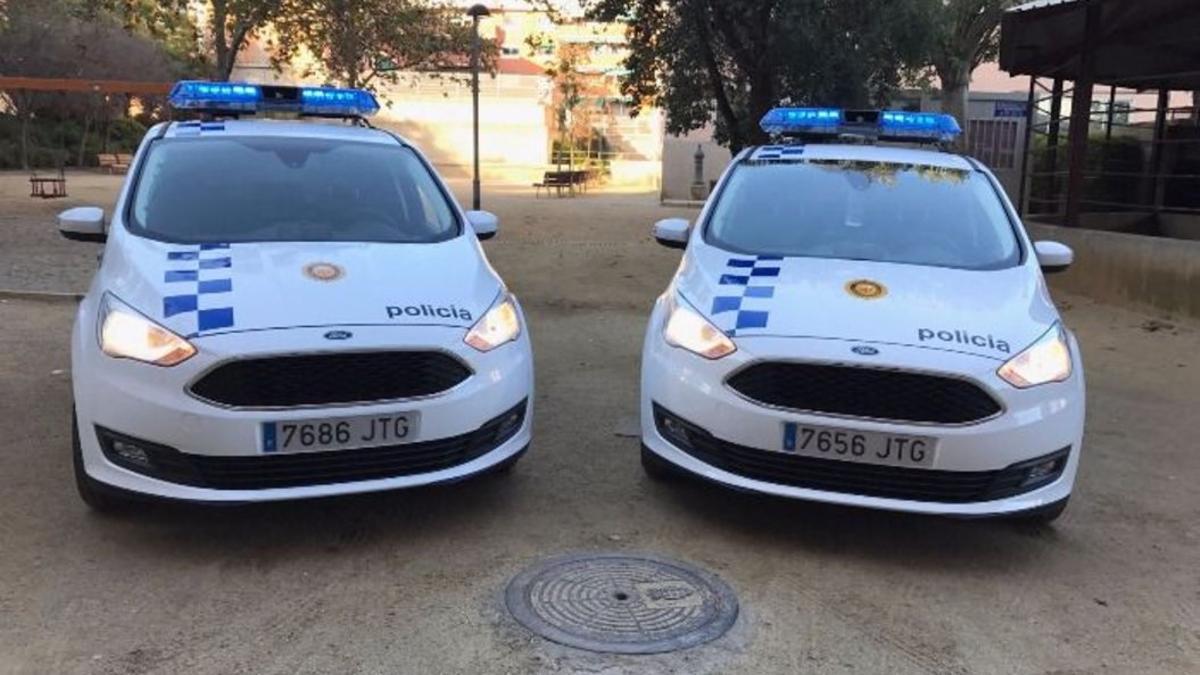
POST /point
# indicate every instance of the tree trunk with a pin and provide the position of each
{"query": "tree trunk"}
(226, 45)
(762, 99)
(87, 122)
(724, 108)
(25, 141)
(956, 83)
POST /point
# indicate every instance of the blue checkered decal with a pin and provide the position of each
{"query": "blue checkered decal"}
(778, 153)
(199, 283)
(196, 127)
(744, 300)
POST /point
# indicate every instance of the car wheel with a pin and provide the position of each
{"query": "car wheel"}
(658, 468)
(1046, 514)
(95, 494)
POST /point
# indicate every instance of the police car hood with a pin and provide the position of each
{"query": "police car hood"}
(993, 314)
(204, 289)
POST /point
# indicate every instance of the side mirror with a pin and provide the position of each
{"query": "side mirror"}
(484, 223)
(672, 232)
(1053, 256)
(83, 223)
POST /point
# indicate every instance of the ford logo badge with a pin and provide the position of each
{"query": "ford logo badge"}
(339, 335)
(864, 350)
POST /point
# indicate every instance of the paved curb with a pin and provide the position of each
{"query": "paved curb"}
(40, 296)
(686, 203)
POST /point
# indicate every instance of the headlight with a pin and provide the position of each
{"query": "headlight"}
(1046, 360)
(685, 328)
(499, 325)
(126, 334)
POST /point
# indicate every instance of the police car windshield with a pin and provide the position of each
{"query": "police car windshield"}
(238, 189)
(880, 211)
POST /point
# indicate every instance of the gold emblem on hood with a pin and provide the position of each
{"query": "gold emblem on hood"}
(323, 271)
(866, 289)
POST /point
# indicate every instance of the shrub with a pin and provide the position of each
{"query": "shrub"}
(56, 141)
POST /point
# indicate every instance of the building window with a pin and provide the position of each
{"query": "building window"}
(993, 142)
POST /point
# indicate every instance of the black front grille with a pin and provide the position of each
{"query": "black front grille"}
(865, 392)
(870, 480)
(313, 468)
(324, 379)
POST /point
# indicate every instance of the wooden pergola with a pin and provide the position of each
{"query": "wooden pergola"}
(1129, 44)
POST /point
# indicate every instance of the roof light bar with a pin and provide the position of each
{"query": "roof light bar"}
(232, 97)
(895, 125)
(800, 120)
(936, 126)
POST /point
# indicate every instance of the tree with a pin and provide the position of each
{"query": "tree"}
(62, 38)
(730, 61)
(231, 23)
(359, 43)
(566, 99)
(966, 34)
(170, 23)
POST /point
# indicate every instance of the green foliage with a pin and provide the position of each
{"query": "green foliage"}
(166, 22)
(231, 23)
(1110, 164)
(1112, 169)
(361, 43)
(729, 61)
(965, 33)
(1182, 188)
(70, 39)
(55, 142)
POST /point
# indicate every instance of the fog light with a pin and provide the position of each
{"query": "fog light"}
(1041, 471)
(509, 424)
(131, 453)
(674, 429)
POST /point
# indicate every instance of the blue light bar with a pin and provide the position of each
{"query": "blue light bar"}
(801, 120)
(331, 101)
(936, 126)
(231, 97)
(886, 124)
(197, 95)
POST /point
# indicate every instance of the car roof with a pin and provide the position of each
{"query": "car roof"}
(863, 153)
(281, 128)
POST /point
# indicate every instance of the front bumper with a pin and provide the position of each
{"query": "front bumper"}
(214, 452)
(740, 436)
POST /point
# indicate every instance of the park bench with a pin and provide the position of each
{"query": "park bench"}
(580, 178)
(555, 180)
(566, 180)
(114, 162)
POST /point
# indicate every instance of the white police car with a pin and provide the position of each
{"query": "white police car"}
(289, 308)
(864, 324)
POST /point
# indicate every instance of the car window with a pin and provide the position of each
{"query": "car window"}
(880, 211)
(288, 189)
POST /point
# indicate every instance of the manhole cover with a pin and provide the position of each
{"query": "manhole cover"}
(622, 603)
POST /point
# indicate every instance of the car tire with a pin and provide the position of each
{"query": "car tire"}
(96, 495)
(1045, 514)
(657, 468)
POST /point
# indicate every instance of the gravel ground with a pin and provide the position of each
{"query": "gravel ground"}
(411, 582)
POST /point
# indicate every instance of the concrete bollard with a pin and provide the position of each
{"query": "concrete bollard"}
(699, 189)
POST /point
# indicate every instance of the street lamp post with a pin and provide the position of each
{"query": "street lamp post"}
(475, 12)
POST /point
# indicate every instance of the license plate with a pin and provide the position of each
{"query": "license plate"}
(342, 433)
(868, 447)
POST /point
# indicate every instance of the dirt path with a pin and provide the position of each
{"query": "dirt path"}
(411, 582)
